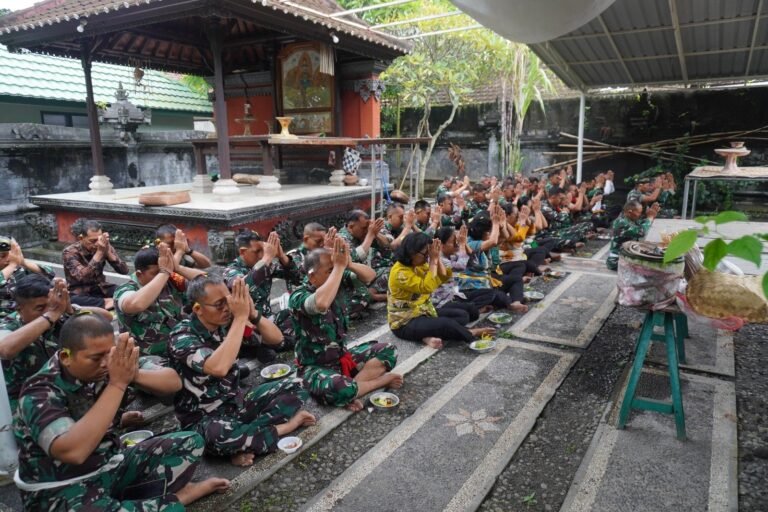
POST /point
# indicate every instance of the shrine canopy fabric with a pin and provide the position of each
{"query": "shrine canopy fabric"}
(172, 34)
(657, 42)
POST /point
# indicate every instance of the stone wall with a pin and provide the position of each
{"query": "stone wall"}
(39, 159)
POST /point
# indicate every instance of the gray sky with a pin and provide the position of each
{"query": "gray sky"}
(16, 4)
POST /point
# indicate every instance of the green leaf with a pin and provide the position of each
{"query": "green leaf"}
(747, 248)
(714, 251)
(729, 216)
(704, 230)
(680, 244)
(765, 285)
(703, 219)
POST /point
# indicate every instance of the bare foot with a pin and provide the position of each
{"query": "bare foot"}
(395, 382)
(591, 236)
(433, 342)
(517, 307)
(242, 459)
(109, 304)
(485, 309)
(578, 245)
(303, 419)
(376, 296)
(131, 419)
(555, 256)
(193, 491)
(355, 406)
(482, 331)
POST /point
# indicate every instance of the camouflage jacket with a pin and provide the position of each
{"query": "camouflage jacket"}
(84, 276)
(151, 327)
(51, 402)
(635, 195)
(259, 279)
(7, 304)
(390, 232)
(472, 208)
(31, 359)
(381, 257)
(320, 337)
(453, 220)
(557, 218)
(625, 230)
(441, 191)
(425, 228)
(202, 394)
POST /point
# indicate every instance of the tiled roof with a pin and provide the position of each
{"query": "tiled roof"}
(30, 75)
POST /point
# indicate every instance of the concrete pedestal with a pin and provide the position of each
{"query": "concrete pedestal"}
(268, 184)
(202, 184)
(337, 178)
(101, 186)
(225, 189)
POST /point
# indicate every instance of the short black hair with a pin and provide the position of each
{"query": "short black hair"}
(313, 259)
(479, 226)
(355, 215)
(391, 207)
(196, 287)
(412, 244)
(81, 227)
(313, 227)
(145, 258)
(533, 179)
(554, 172)
(442, 197)
(508, 208)
(631, 205)
(478, 187)
(80, 328)
(553, 191)
(421, 204)
(165, 229)
(31, 286)
(245, 237)
(444, 233)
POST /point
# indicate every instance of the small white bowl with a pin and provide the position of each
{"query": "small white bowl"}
(392, 398)
(269, 371)
(362, 182)
(487, 345)
(135, 437)
(290, 444)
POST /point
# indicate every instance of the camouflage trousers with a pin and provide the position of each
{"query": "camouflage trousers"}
(329, 386)
(251, 427)
(381, 283)
(146, 480)
(356, 296)
(568, 237)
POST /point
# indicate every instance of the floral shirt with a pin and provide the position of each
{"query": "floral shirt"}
(85, 276)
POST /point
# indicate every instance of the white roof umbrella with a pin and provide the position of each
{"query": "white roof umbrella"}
(532, 21)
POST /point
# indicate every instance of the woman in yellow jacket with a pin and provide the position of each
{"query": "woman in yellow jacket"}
(417, 272)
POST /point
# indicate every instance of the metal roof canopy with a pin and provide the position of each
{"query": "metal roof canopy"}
(663, 42)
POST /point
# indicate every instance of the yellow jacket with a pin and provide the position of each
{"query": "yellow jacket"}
(410, 289)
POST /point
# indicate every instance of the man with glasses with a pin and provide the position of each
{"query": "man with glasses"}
(14, 266)
(234, 422)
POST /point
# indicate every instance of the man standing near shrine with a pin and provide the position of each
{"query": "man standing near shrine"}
(364, 237)
(235, 422)
(84, 263)
(70, 454)
(336, 374)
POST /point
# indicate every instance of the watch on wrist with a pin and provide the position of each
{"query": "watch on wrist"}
(189, 251)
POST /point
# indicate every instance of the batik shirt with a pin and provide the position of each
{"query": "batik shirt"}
(152, 327)
(51, 402)
(7, 304)
(31, 359)
(410, 291)
(259, 279)
(449, 290)
(381, 257)
(476, 275)
(85, 276)
(190, 347)
(320, 335)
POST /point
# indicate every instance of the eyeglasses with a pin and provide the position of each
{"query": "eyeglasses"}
(424, 253)
(221, 305)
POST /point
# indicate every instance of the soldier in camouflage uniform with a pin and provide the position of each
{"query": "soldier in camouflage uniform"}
(354, 285)
(450, 217)
(630, 225)
(477, 203)
(427, 222)
(335, 373)
(70, 455)
(29, 336)
(560, 224)
(14, 267)
(183, 254)
(367, 242)
(398, 225)
(646, 191)
(150, 304)
(234, 422)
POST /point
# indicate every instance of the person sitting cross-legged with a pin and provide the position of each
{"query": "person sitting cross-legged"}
(84, 263)
(630, 225)
(357, 277)
(14, 266)
(150, 304)
(30, 335)
(70, 454)
(235, 422)
(418, 271)
(366, 237)
(336, 374)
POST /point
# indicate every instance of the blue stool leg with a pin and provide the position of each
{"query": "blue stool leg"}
(643, 341)
(681, 332)
(674, 376)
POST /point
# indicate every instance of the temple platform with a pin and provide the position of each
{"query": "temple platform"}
(209, 221)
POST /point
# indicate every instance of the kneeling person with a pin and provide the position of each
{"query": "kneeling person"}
(630, 225)
(336, 375)
(70, 455)
(204, 350)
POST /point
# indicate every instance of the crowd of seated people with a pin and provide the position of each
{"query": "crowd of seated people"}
(185, 326)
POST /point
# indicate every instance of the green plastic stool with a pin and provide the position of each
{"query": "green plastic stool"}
(675, 325)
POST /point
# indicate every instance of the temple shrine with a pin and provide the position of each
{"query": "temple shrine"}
(301, 62)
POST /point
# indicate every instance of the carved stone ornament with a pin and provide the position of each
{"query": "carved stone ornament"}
(44, 225)
(369, 87)
(222, 246)
(31, 131)
(131, 237)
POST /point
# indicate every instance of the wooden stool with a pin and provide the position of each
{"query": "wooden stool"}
(675, 325)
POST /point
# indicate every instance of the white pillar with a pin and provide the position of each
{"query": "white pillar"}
(580, 151)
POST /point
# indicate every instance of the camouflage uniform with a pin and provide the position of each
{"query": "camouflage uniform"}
(259, 279)
(230, 419)
(426, 228)
(635, 195)
(561, 226)
(146, 478)
(472, 208)
(85, 276)
(7, 304)
(666, 212)
(322, 343)
(381, 259)
(31, 359)
(442, 190)
(451, 221)
(625, 230)
(354, 292)
(151, 327)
